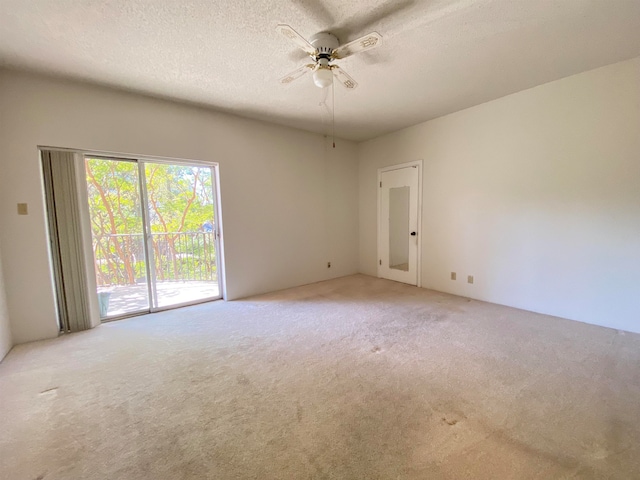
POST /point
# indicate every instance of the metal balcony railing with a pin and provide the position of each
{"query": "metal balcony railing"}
(178, 256)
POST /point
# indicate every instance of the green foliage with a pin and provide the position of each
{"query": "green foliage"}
(180, 204)
(180, 197)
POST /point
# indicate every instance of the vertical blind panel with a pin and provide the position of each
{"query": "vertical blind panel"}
(64, 225)
(53, 240)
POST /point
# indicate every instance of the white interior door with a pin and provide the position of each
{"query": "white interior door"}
(398, 224)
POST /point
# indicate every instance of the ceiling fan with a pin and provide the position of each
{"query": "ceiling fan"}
(324, 48)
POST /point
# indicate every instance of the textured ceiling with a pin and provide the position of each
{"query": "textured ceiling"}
(437, 57)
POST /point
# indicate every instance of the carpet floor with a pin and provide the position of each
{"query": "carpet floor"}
(354, 378)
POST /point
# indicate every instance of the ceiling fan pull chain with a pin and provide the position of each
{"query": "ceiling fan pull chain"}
(333, 113)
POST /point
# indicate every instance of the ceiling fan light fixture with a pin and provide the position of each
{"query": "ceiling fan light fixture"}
(323, 77)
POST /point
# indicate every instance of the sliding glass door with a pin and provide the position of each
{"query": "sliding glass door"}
(115, 209)
(154, 232)
(182, 233)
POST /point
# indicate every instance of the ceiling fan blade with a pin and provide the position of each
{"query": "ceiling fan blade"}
(297, 39)
(372, 40)
(297, 73)
(344, 78)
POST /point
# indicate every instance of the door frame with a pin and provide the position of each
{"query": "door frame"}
(148, 236)
(415, 164)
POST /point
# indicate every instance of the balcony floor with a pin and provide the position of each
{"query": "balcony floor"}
(135, 298)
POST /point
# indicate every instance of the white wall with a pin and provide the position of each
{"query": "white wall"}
(289, 203)
(536, 194)
(5, 328)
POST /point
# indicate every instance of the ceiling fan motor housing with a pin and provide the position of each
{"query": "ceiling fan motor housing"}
(325, 43)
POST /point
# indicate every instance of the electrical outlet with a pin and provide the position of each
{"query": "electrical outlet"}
(328, 264)
(470, 279)
(453, 275)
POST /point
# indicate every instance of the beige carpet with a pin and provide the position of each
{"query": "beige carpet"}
(355, 378)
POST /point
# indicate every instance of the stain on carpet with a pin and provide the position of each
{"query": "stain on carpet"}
(49, 390)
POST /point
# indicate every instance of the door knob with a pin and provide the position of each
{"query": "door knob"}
(413, 234)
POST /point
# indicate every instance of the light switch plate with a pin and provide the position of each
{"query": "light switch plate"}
(23, 209)
(453, 275)
(470, 279)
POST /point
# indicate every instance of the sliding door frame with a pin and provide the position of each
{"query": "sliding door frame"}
(141, 161)
(150, 262)
(148, 235)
